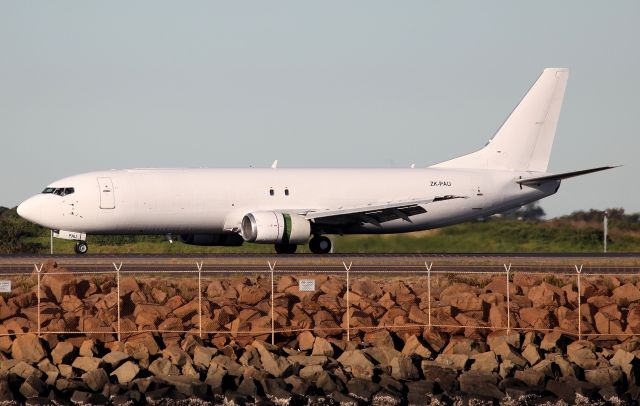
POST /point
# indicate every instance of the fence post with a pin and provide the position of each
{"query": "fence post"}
(38, 270)
(347, 268)
(118, 267)
(429, 266)
(579, 271)
(273, 318)
(199, 265)
(507, 269)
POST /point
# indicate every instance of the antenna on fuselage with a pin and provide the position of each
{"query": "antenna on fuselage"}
(274, 165)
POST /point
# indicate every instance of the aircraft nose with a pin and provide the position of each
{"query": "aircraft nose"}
(28, 209)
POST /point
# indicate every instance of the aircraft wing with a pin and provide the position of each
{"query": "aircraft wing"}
(560, 176)
(376, 213)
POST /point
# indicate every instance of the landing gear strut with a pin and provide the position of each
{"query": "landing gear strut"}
(320, 244)
(286, 248)
(81, 247)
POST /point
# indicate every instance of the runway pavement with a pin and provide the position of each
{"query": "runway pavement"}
(458, 262)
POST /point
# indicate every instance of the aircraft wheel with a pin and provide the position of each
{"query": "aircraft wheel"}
(320, 245)
(286, 248)
(81, 247)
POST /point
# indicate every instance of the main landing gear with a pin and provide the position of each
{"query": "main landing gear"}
(320, 244)
(81, 247)
(286, 248)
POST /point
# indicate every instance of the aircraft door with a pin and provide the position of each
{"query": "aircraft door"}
(107, 197)
(478, 199)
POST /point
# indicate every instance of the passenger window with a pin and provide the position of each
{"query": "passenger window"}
(271, 192)
(286, 192)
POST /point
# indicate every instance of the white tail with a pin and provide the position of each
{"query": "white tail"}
(524, 141)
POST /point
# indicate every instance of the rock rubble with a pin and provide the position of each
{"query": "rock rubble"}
(392, 356)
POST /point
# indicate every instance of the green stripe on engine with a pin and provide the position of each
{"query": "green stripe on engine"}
(287, 228)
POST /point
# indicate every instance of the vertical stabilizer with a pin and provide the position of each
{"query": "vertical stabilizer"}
(524, 141)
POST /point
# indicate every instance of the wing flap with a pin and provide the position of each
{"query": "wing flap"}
(379, 213)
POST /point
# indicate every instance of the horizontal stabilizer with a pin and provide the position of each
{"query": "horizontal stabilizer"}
(560, 176)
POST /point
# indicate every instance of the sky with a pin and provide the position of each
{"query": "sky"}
(106, 85)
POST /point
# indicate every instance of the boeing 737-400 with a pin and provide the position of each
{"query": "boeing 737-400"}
(288, 207)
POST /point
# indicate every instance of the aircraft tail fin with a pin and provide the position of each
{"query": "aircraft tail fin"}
(524, 141)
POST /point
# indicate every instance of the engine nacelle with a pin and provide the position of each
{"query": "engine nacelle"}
(224, 240)
(275, 227)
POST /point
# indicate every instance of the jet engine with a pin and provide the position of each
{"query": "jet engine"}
(226, 240)
(275, 227)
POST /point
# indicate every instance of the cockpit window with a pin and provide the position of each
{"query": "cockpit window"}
(60, 191)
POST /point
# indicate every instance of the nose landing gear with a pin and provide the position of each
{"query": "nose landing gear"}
(320, 244)
(81, 247)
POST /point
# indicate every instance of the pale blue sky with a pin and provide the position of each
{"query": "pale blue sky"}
(101, 85)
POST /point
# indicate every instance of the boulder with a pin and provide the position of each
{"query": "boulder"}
(32, 387)
(413, 346)
(27, 348)
(604, 377)
(126, 372)
(378, 338)
(582, 353)
(507, 352)
(252, 295)
(188, 310)
(88, 349)
(367, 288)
(552, 341)
(272, 363)
(128, 285)
(305, 340)
(202, 356)
(628, 293)
(498, 317)
(95, 379)
(86, 364)
(322, 347)
(115, 358)
(546, 296)
(463, 345)
(62, 353)
(622, 358)
(463, 301)
(531, 377)
(484, 362)
(162, 366)
(311, 372)
(176, 355)
(480, 384)
(362, 389)
(402, 368)
(454, 361)
(188, 386)
(538, 318)
(499, 285)
(59, 283)
(608, 323)
(158, 295)
(531, 354)
(358, 363)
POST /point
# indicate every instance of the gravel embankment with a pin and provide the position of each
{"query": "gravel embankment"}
(395, 365)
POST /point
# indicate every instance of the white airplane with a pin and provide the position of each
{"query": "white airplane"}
(288, 207)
